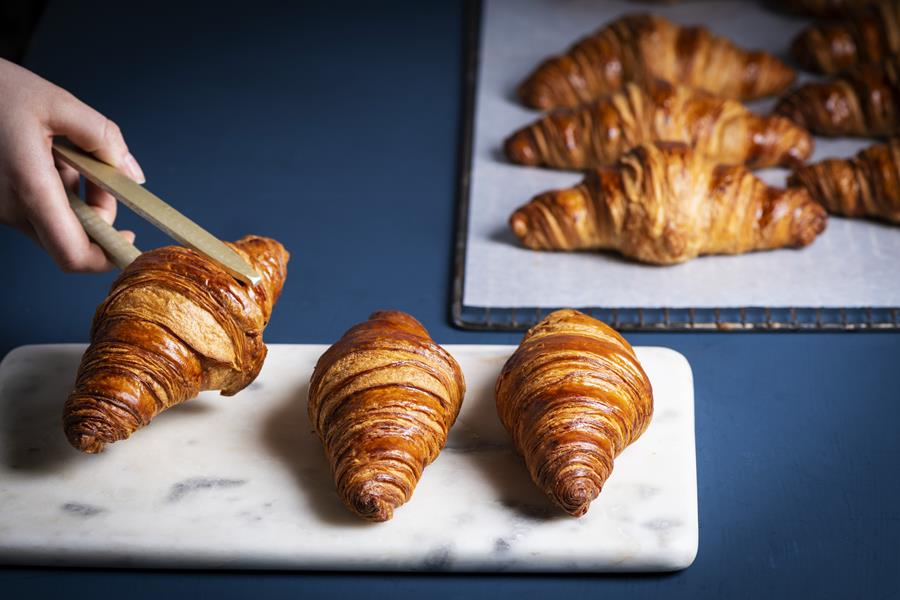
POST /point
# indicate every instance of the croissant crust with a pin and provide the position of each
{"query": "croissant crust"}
(869, 35)
(867, 185)
(663, 204)
(643, 48)
(382, 400)
(863, 102)
(600, 133)
(174, 324)
(573, 396)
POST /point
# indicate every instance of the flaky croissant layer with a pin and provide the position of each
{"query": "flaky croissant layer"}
(870, 34)
(862, 102)
(867, 185)
(573, 396)
(382, 400)
(599, 133)
(663, 204)
(643, 48)
(174, 324)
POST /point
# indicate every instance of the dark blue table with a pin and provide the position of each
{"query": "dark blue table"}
(334, 127)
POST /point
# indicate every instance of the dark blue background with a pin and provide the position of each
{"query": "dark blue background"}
(333, 126)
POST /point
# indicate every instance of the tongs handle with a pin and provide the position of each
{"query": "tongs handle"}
(119, 250)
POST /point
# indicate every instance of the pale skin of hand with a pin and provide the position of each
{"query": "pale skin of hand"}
(33, 185)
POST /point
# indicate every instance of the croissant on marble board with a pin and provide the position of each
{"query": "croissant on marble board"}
(863, 102)
(572, 397)
(382, 400)
(868, 36)
(600, 133)
(867, 185)
(642, 48)
(174, 324)
(664, 204)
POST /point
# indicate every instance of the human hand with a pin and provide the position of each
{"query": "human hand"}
(33, 185)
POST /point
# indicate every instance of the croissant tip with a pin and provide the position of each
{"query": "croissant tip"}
(521, 227)
(369, 503)
(519, 149)
(812, 223)
(534, 97)
(86, 442)
(576, 497)
(788, 109)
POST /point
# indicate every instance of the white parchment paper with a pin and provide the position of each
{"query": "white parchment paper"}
(854, 263)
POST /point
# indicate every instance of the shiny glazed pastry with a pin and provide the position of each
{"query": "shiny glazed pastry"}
(573, 396)
(174, 324)
(863, 102)
(643, 48)
(600, 133)
(871, 35)
(664, 204)
(382, 400)
(867, 185)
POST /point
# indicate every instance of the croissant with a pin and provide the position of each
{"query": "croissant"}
(664, 204)
(863, 102)
(382, 400)
(870, 35)
(174, 324)
(642, 48)
(601, 132)
(573, 396)
(867, 185)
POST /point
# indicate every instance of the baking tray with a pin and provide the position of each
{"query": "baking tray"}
(509, 318)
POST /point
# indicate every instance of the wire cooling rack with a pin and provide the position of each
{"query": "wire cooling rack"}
(623, 318)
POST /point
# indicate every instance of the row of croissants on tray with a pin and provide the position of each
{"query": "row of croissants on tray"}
(382, 399)
(652, 111)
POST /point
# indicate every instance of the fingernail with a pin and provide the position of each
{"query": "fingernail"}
(134, 169)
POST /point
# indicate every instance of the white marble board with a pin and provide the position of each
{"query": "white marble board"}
(242, 482)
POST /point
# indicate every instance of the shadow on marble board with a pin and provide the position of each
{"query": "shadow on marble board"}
(290, 436)
(31, 410)
(479, 435)
(32, 398)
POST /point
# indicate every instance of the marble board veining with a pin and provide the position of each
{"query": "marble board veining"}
(242, 482)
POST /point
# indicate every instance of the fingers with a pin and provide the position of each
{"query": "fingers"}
(59, 231)
(101, 201)
(32, 190)
(42, 202)
(92, 132)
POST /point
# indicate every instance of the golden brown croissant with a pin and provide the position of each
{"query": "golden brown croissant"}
(870, 35)
(863, 102)
(867, 185)
(573, 396)
(642, 48)
(600, 133)
(664, 204)
(174, 324)
(382, 400)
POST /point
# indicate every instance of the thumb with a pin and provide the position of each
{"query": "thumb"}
(92, 132)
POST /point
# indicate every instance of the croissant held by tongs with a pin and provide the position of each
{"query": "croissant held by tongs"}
(175, 323)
